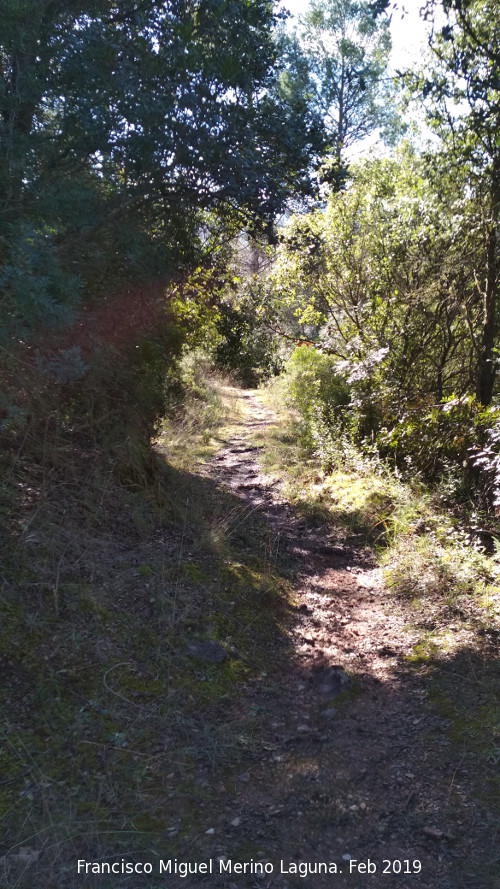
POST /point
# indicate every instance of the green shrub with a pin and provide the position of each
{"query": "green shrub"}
(246, 347)
(439, 440)
(320, 396)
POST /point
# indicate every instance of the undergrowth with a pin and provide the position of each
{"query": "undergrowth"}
(114, 724)
(191, 432)
(426, 549)
(431, 563)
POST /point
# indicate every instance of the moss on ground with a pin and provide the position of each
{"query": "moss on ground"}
(110, 728)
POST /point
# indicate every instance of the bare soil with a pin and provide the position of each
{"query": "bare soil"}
(352, 765)
(217, 675)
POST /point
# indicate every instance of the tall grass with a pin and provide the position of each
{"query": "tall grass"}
(428, 550)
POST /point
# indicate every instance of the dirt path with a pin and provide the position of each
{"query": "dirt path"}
(355, 771)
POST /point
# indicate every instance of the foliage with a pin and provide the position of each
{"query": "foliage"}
(386, 274)
(35, 288)
(136, 140)
(317, 393)
(398, 275)
(247, 345)
(376, 266)
(486, 459)
(460, 89)
(94, 97)
(436, 439)
(338, 60)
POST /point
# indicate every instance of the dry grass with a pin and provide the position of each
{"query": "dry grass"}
(194, 431)
(112, 732)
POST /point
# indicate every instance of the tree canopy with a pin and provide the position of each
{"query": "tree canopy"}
(345, 46)
(461, 92)
(122, 121)
(140, 139)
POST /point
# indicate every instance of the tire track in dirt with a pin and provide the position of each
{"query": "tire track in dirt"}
(354, 765)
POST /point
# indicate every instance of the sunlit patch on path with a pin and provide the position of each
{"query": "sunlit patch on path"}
(354, 765)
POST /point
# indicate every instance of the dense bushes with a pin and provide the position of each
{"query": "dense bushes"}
(319, 395)
(246, 346)
(455, 444)
(96, 205)
(387, 276)
(104, 383)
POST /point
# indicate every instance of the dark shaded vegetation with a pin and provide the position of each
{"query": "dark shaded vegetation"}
(112, 730)
(247, 347)
(136, 141)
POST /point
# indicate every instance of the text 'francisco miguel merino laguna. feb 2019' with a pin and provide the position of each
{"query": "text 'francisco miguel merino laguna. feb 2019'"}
(225, 865)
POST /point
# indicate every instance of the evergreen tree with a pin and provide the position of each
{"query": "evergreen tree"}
(346, 44)
(121, 122)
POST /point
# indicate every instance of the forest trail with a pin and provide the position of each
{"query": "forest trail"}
(355, 766)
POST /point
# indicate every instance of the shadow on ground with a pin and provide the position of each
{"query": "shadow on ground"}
(304, 733)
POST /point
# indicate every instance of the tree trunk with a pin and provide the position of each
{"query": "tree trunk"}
(486, 365)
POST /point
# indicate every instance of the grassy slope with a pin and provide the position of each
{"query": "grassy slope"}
(112, 732)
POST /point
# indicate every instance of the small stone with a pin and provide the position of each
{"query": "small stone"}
(210, 651)
(346, 857)
(236, 822)
(331, 681)
(210, 831)
(245, 777)
(329, 713)
(433, 832)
